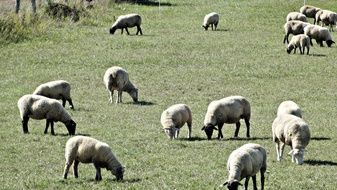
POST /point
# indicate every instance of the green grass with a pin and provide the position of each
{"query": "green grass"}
(175, 61)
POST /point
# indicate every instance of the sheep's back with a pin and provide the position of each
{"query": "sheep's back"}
(176, 115)
(290, 107)
(115, 77)
(54, 89)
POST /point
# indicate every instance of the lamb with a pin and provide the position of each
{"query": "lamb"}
(318, 33)
(293, 27)
(174, 117)
(210, 20)
(289, 107)
(89, 150)
(302, 41)
(116, 78)
(293, 131)
(59, 89)
(327, 17)
(309, 11)
(127, 21)
(296, 16)
(40, 107)
(246, 162)
(227, 110)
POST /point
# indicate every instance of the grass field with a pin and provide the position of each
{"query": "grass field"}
(175, 61)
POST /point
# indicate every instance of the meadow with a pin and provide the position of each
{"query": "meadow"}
(175, 61)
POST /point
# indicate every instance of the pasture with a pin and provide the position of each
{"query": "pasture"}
(175, 61)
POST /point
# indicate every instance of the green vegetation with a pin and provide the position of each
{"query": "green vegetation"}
(175, 61)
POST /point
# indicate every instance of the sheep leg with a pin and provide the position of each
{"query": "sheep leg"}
(212, 26)
(308, 47)
(122, 31)
(177, 133)
(25, 125)
(119, 96)
(237, 130)
(295, 49)
(248, 127)
(76, 168)
(139, 30)
(127, 31)
(262, 179)
(254, 182)
(220, 136)
(67, 167)
(47, 125)
(216, 25)
(98, 173)
(301, 50)
(71, 104)
(189, 125)
(311, 42)
(286, 38)
(246, 183)
(52, 127)
(63, 102)
(111, 94)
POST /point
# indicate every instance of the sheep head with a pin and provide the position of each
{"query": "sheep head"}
(297, 156)
(71, 126)
(232, 185)
(209, 130)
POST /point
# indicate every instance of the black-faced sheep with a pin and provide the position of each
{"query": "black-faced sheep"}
(127, 21)
(211, 19)
(40, 107)
(328, 18)
(318, 33)
(309, 11)
(175, 117)
(116, 78)
(59, 89)
(246, 162)
(227, 110)
(294, 27)
(89, 150)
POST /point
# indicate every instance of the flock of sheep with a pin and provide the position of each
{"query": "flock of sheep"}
(297, 24)
(288, 127)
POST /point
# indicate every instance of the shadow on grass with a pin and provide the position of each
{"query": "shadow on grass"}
(145, 2)
(320, 138)
(221, 30)
(320, 162)
(144, 103)
(318, 55)
(66, 134)
(124, 180)
(250, 139)
(192, 139)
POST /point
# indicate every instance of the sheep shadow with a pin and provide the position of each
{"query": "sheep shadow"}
(136, 180)
(249, 139)
(144, 103)
(318, 55)
(320, 138)
(145, 2)
(192, 139)
(320, 162)
(222, 30)
(67, 135)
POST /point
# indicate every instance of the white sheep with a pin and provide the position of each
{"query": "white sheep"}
(309, 11)
(296, 16)
(211, 19)
(40, 107)
(293, 131)
(175, 117)
(59, 89)
(227, 110)
(246, 162)
(116, 78)
(127, 21)
(318, 33)
(289, 107)
(300, 41)
(293, 27)
(327, 17)
(89, 150)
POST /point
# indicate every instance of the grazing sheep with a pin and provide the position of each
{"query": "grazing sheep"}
(40, 107)
(296, 16)
(318, 33)
(127, 21)
(174, 117)
(246, 162)
(210, 20)
(227, 110)
(89, 150)
(289, 107)
(293, 27)
(293, 131)
(59, 89)
(327, 17)
(116, 78)
(309, 11)
(301, 41)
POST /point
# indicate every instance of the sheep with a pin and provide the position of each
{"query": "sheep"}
(59, 89)
(174, 117)
(40, 107)
(318, 33)
(293, 131)
(289, 107)
(309, 11)
(227, 110)
(293, 27)
(302, 41)
(89, 150)
(127, 21)
(327, 17)
(296, 16)
(116, 78)
(246, 162)
(210, 20)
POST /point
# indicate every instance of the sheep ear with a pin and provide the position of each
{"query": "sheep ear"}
(215, 128)
(203, 128)
(225, 183)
